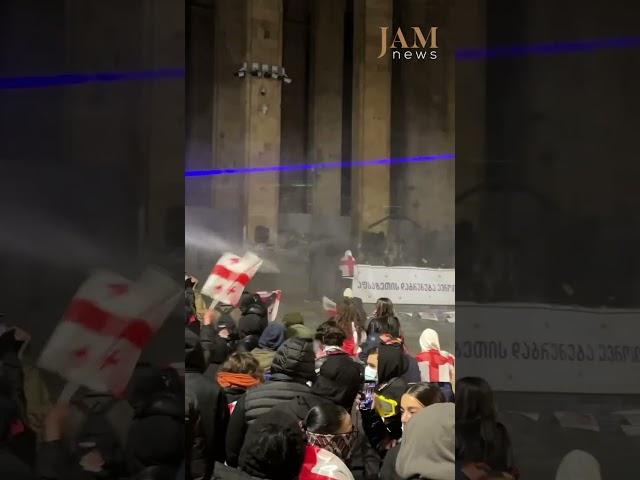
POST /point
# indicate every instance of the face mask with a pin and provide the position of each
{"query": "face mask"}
(370, 374)
(341, 445)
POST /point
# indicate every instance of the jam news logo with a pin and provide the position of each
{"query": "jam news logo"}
(423, 47)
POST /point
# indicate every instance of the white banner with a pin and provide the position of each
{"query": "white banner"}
(405, 285)
(542, 348)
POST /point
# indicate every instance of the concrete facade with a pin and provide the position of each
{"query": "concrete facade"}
(344, 104)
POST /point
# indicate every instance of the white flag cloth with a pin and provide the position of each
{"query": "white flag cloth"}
(347, 264)
(105, 327)
(230, 276)
(329, 306)
(272, 301)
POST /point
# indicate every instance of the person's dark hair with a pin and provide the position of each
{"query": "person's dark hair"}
(333, 336)
(274, 447)
(384, 308)
(479, 436)
(325, 419)
(426, 393)
(347, 316)
(322, 328)
(242, 362)
(474, 401)
(381, 325)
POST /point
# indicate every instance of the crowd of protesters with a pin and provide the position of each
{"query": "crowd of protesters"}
(348, 400)
(138, 435)
(269, 400)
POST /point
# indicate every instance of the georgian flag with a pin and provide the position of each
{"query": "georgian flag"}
(105, 327)
(435, 365)
(272, 302)
(230, 276)
(329, 306)
(320, 464)
(347, 264)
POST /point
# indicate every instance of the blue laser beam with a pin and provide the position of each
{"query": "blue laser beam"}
(299, 167)
(551, 48)
(68, 79)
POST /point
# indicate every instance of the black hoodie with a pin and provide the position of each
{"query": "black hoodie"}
(208, 407)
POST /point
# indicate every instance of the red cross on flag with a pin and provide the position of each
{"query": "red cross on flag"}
(347, 264)
(105, 327)
(230, 276)
(272, 301)
(436, 365)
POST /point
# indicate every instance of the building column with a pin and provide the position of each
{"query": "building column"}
(229, 98)
(370, 195)
(325, 126)
(426, 106)
(263, 113)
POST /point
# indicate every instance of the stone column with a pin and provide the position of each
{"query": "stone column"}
(229, 100)
(263, 95)
(426, 89)
(325, 124)
(371, 115)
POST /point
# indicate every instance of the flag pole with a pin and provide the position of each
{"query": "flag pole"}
(67, 392)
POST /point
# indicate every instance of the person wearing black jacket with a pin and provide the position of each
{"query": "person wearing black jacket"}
(253, 321)
(207, 401)
(155, 441)
(274, 449)
(293, 366)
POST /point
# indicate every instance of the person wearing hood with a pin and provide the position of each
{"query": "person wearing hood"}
(386, 331)
(578, 465)
(239, 373)
(436, 365)
(155, 440)
(338, 382)
(274, 449)
(216, 348)
(253, 321)
(207, 402)
(270, 340)
(428, 447)
(294, 323)
(292, 367)
(386, 366)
